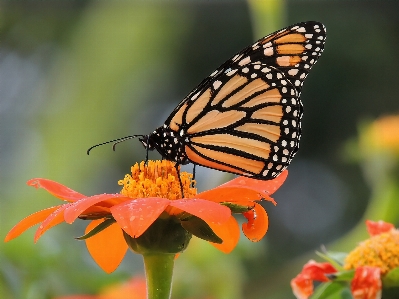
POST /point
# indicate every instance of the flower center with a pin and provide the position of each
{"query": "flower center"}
(157, 179)
(380, 251)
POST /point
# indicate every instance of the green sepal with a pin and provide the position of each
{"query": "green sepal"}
(164, 236)
(103, 225)
(334, 258)
(391, 279)
(343, 276)
(332, 290)
(237, 209)
(200, 229)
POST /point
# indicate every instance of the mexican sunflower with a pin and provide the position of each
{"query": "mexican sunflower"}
(149, 215)
(373, 266)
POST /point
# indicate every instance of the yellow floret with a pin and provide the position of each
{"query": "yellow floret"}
(157, 179)
(380, 251)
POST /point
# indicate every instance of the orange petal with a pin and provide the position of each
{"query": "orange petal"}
(136, 215)
(318, 271)
(267, 187)
(28, 222)
(53, 219)
(367, 283)
(206, 210)
(243, 188)
(108, 247)
(379, 227)
(58, 190)
(231, 195)
(229, 232)
(76, 209)
(257, 225)
(302, 284)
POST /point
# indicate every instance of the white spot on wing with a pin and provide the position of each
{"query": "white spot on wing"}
(217, 84)
(268, 52)
(195, 96)
(245, 61)
(265, 70)
(231, 72)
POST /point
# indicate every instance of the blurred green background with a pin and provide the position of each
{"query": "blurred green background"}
(77, 73)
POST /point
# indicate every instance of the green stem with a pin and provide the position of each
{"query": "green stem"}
(159, 272)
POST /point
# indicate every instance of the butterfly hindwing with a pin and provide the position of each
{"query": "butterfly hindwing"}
(247, 122)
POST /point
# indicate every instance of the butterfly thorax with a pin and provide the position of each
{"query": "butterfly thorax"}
(167, 143)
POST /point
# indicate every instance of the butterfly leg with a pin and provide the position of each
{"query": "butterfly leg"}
(178, 175)
(146, 150)
(192, 183)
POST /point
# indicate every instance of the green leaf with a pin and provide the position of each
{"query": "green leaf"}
(391, 279)
(238, 209)
(200, 229)
(103, 225)
(332, 290)
(335, 258)
(344, 276)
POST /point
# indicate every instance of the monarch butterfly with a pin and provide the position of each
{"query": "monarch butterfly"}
(245, 118)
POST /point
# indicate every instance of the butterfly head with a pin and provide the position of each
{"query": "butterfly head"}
(148, 142)
(167, 143)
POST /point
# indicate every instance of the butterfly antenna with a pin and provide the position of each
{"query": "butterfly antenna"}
(115, 142)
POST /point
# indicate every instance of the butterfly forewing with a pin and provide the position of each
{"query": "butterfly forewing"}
(293, 50)
(245, 117)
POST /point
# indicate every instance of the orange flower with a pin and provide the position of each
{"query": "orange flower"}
(150, 194)
(381, 250)
(382, 135)
(371, 260)
(366, 283)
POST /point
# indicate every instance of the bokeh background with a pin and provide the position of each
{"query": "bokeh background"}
(77, 73)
